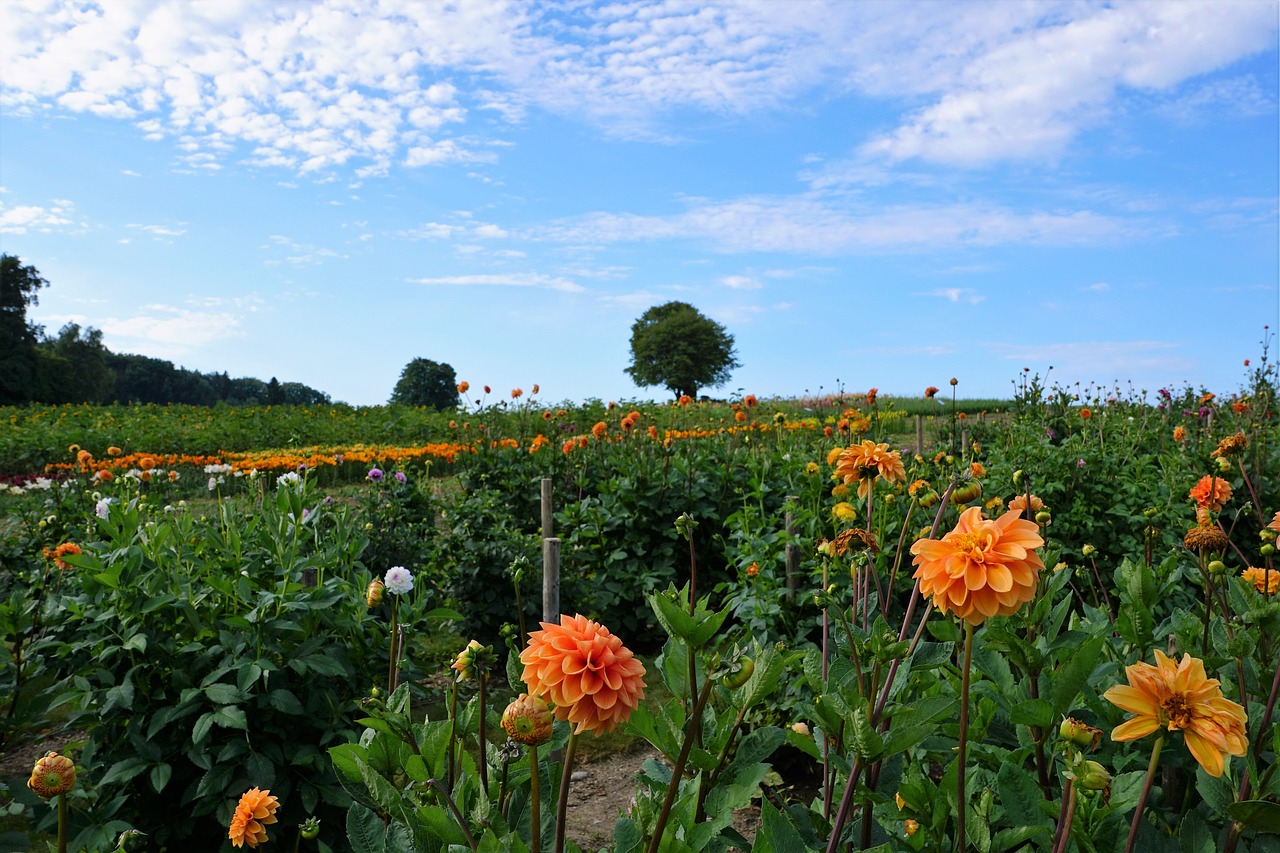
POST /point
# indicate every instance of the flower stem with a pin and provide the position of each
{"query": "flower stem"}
(1065, 817)
(961, 802)
(457, 815)
(395, 634)
(1146, 790)
(484, 741)
(62, 823)
(677, 772)
(535, 801)
(562, 802)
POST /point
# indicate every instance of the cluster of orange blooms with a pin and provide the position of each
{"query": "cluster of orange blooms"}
(56, 554)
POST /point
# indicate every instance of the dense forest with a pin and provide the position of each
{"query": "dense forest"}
(74, 366)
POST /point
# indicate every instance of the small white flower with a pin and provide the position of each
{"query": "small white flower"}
(288, 478)
(399, 580)
(213, 483)
(102, 508)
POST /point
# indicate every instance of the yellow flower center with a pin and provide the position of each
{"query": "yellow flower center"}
(972, 544)
(1176, 712)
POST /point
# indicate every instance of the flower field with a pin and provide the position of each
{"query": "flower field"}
(1043, 624)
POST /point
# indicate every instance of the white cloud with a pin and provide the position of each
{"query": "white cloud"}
(958, 294)
(162, 331)
(810, 224)
(510, 280)
(30, 217)
(1097, 287)
(160, 230)
(740, 282)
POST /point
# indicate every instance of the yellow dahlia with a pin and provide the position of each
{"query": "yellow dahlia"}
(982, 568)
(1181, 697)
(255, 811)
(591, 678)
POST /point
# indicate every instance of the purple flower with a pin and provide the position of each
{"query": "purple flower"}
(1050, 433)
(1204, 411)
(400, 477)
(1164, 392)
(338, 459)
(302, 467)
(375, 474)
(1079, 463)
(306, 513)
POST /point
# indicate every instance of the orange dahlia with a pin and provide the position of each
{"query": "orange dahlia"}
(1211, 492)
(981, 568)
(1275, 523)
(863, 462)
(1019, 503)
(52, 775)
(528, 720)
(1265, 581)
(1181, 697)
(255, 811)
(592, 679)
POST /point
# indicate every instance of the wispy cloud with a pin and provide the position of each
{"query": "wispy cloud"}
(513, 280)
(740, 282)
(162, 331)
(21, 219)
(161, 231)
(958, 294)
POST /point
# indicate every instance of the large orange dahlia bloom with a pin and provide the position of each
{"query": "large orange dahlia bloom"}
(1181, 697)
(982, 568)
(1211, 492)
(863, 462)
(592, 680)
(254, 812)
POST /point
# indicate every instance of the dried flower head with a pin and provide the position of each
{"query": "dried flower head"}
(1206, 537)
(854, 539)
(254, 813)
(1231, 445)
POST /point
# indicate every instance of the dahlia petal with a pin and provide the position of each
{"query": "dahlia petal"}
(1133, 700)
(999, 577)
(1203, 751)
(1138, 727)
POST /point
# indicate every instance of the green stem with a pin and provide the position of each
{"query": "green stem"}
(535, 801)
(457, 815)
(62, 823)
(677, 772)
(562, 802)
(1146, 790)
(1066, 817)
(484, 742)
(962, 803)
(395, 633)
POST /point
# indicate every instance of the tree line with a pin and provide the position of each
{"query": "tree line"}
(74, 366)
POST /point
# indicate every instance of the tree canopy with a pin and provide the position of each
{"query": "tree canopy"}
(19, 362)
(424, 382)
(676, 346)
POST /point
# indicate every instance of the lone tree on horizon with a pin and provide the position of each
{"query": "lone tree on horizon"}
(676, 346)
(424, 382)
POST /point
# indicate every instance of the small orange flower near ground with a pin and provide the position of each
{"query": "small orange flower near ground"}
(61, 551)
(113, 451)
(1265, 581)
(1086, 413)
(1179, 433)
(600, 430)
(684, 400)
(740, 417)
(591, 678)
(982, 568)
(256, 811)
(750, 401)
(753, 570)
(1211, 492)
(1181, 697)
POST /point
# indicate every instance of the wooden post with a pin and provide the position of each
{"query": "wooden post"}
(547, 509)
(551, 580)
(792, 551)
(920, 434)
(964, 443)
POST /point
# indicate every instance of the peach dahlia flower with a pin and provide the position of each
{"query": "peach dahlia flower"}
(1181, 697)
(863, 462)
(982, 568)
(254, 812)
(1211, 492)
(591, 678)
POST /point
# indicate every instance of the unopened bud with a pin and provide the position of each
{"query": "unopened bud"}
(1017, 477)
(1267, 535)
(1224, 464)
(310, 828)
(1080, 734)
(1092, 776)
(1044, 517)
(1088, 550)
(1267, 550)
(1217, 567)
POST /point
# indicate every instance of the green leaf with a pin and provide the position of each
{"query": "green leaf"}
(1072, 676)
(1019, 795)
(123, 771)
(160, 775)
(365, 830)
(1033, 712)
(1257, 815)
(231, 717)
(222, 693)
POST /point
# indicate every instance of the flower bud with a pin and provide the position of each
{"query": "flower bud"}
(1224, 464)
(1080, 734)
(1267, 550)
(911, 827)
(1044, 517)
(1092, 776)
(1267, 535)
(1088, 550)
(1217, 567)
(373, 595)
(930, 498)
(528, 720)
(740, 673)
(310, 828)
(1017, 477)
(800, 728)
(52, 775)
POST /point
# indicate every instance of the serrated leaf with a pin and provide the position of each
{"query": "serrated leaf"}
(365, 830)
(1258, 815)
(1072, 676)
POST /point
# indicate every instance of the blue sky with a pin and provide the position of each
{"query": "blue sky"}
(865, 194)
